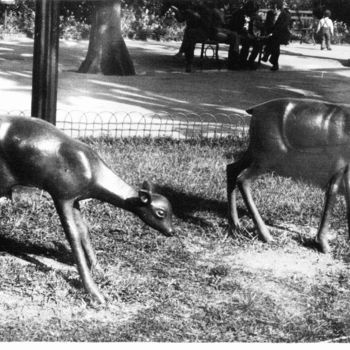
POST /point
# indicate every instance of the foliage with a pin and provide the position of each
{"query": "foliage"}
(20, 17)
(145, 23)
(340, 9)
(80, 10)
(73, 20)
(142, 19)
(71, 28)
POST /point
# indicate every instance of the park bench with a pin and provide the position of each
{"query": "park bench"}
(210, 46)
(213, 47)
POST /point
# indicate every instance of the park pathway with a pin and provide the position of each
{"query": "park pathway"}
(162, 96)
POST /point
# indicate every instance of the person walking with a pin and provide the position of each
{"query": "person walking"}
(326, 29)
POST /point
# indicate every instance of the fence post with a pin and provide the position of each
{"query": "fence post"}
(45, 61)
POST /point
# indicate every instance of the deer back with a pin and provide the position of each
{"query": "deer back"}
(300, 138)
(35, 153)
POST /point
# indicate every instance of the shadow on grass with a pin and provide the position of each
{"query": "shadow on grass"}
(23, 250)
(184, 204)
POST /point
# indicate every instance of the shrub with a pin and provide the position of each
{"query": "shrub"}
(138, 22)
(71, 28)
(20, 18)
(142, 24)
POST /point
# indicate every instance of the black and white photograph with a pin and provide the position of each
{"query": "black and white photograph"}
(174, 173)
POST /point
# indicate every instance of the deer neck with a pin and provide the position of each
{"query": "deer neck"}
(112, 189)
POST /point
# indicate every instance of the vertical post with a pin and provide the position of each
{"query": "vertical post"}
(45, 61)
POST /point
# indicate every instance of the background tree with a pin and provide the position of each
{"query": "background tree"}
(107, 52)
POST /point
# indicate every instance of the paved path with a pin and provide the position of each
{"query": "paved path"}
(161, 85)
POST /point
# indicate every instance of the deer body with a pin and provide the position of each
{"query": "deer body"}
(35, 153)
(303, 139)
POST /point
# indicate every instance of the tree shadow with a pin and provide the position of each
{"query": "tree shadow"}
(343, 62)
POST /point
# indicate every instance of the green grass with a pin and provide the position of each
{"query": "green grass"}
(202, 286)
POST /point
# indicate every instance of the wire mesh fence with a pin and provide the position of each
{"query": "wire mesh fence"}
(81, 124)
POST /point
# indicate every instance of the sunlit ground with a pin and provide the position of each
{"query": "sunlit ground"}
(162, 85)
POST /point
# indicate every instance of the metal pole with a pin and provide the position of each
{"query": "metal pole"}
(45, 61)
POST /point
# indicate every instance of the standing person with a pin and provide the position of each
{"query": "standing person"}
(280, 34)
(326, 29)
(267, 31)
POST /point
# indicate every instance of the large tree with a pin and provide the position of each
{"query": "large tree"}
(107, 52)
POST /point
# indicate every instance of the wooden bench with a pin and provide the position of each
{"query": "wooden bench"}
(214, 47)
(210, 45)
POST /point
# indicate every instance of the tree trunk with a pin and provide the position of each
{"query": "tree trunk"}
(107, 52)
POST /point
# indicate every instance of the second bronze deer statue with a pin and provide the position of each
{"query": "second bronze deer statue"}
(35, 153)
(303, 139)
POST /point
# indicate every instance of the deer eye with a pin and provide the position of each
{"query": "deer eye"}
(160, 213)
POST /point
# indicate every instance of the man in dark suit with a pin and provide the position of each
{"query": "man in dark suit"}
(280, 34)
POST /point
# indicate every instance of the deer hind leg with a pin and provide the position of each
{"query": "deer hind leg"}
(73, 233)
(232, 172)
(7, 180)
(244, 181)
(347, 195)
(330, 197)
(85, 238)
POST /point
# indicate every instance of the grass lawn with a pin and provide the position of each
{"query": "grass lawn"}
(203, 285)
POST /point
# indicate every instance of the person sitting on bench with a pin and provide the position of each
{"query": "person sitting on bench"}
(248, 24)
(186, 13)
(210, 27)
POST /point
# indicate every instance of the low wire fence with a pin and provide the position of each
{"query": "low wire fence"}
(133, 124)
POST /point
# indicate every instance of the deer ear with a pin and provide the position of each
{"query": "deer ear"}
(148, 186)
(145, 196)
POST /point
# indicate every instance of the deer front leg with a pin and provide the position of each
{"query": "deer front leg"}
(85, 238)
(347, 195)
(330, 196)
(66, 213)
(231, 178)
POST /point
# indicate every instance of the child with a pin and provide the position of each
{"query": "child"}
(326, 29)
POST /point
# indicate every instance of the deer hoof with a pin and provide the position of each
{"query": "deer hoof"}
(99, 301)
(323, 246)
(234, 228)
(266, 236)
(268, 239)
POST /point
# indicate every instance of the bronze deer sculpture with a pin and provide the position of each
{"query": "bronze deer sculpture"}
(36, 153)
(302, 139)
